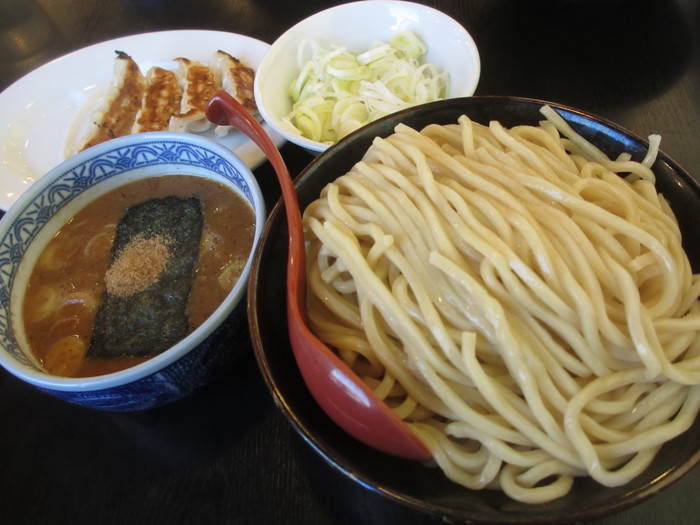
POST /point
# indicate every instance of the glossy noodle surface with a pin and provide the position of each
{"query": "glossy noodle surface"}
(521, 300)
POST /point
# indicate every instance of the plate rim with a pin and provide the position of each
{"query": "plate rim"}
(14, 95)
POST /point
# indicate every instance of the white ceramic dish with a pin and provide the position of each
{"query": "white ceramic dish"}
(357, 25)
(44, 112)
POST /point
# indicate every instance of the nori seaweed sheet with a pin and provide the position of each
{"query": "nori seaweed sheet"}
(150, 321)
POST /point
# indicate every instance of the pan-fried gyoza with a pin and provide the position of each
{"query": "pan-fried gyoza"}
(167, 99)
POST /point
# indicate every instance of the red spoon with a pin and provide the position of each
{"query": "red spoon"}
(337, 389)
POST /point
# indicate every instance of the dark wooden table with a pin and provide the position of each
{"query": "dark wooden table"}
(227, 454)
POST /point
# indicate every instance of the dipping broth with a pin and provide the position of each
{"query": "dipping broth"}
(67, 284)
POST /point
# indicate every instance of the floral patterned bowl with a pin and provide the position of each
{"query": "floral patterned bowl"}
(56, 197)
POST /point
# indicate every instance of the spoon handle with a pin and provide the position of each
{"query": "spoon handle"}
(337, 389)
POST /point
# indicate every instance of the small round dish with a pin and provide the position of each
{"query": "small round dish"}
(413, 484)
(357, 25)
(40, 211)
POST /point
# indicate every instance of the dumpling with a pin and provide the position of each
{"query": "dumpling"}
(115, 115)
(198, 87)
(161, 100)
(237, 79)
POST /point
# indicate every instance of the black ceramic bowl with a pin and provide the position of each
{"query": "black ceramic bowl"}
(411, 483)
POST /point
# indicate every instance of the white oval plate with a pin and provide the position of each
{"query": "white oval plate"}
(43, 114)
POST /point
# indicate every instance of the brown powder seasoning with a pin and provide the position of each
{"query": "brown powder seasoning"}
(139, 265)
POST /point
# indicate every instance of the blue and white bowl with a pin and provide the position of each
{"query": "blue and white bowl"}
(54, 198)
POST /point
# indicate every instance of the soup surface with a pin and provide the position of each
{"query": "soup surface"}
(67, 284)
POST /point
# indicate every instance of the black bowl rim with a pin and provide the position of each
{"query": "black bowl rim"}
(326, 450)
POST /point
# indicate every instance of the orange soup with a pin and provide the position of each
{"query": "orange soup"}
(68, 282)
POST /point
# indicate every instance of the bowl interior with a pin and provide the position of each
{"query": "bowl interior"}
(410, 483)
(34, 219)
(357, 25)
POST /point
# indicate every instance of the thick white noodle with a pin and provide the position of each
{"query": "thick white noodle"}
(521, 300)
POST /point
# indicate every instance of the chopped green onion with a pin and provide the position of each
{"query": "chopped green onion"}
(410, 44)
(337, 91)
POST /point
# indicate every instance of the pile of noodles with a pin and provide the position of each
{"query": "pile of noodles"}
(520, 300)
